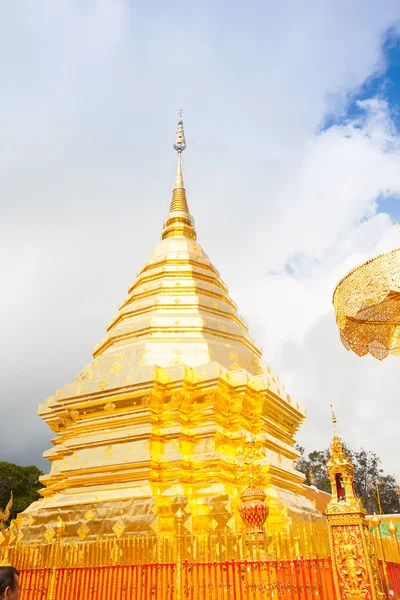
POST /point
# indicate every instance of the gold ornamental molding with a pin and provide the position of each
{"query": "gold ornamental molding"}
(367, 307)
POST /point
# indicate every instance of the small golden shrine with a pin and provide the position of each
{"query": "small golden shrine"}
(367, 307)
(353, 552)
(156, 424)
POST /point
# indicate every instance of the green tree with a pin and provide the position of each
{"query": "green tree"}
(24, 484)
(377, 490)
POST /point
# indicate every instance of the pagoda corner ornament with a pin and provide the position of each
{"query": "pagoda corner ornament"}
(254, 510)
(354, 559)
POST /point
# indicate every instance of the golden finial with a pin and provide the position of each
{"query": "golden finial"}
(180, 146)
(392, 528)
(179, 221)
(180, 141)
(375, 521)
(333, 419)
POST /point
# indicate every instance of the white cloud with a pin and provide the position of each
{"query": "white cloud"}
(89, 98)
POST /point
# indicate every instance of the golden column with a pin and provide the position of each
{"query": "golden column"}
(55, 558)
(354, 560)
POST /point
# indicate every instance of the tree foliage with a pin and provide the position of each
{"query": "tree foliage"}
(367, 474)
(24, 484)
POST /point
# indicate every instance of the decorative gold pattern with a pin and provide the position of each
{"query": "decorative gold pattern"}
(49, 534)
(83, 531)
(367, 307)
(350, 563)
(109, 407)
(4, 515)
(119, 528)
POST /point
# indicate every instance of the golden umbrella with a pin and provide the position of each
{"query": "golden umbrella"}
(367, 306)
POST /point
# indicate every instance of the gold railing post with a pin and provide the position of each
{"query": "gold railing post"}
(179, 518)
(376, 523)
(393, 532)
(60, 526)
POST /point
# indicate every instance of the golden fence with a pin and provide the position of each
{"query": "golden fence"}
(294, 564)
(269, 580)
(303, 539)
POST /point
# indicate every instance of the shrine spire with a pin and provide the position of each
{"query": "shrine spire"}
(179, 221)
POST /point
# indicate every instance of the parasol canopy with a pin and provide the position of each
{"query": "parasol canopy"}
(367, 307)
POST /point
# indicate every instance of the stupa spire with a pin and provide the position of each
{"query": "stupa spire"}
(179, 221)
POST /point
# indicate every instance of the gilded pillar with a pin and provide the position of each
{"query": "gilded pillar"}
(59, 528)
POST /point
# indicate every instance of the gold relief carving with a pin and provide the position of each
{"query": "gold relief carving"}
(234, 356)
(231, 524)
(65, 420)
(128, 378)
(48, 535)
(214, 524)
(116, 368)
(83, 531)
(210, 445)
(119, 528)
(89, 515)
(350, 563)
(115, 553)
(189, 524)
(19, 537)
(103, 384)
(177, 300)
(109, 451)
(373, 560)
(11, 537)
(146, 400)
(109, 407)
(74, 414)
(155, 526)
(234, 367)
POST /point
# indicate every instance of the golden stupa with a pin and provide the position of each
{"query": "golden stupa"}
(157, 422)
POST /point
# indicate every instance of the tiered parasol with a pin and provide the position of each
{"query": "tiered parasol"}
(367, 307)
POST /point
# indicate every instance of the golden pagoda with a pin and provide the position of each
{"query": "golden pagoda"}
(156, 424)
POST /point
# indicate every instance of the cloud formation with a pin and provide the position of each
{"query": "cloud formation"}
(90, 93)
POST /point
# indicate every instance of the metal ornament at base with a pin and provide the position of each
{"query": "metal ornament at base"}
(254, 512)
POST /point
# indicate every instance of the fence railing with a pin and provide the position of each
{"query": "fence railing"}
(304, 539)
(252, 580)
